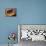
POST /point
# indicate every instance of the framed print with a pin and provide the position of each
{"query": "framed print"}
(32, 32)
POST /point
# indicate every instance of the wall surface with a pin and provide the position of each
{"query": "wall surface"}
(28, 12)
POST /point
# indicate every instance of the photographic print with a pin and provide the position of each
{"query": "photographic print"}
(10, 11)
